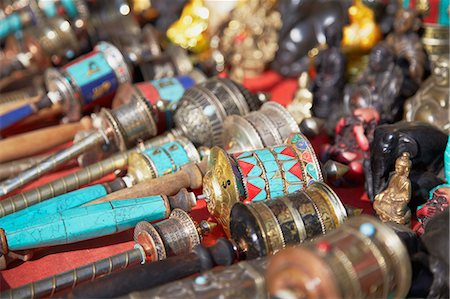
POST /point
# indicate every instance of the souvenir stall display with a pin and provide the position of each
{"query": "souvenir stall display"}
(224, 149)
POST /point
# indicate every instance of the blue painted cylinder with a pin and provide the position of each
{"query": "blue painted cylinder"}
(88, 80)
(23, 218)
(93, 76)
(88, 222)
(14, 116)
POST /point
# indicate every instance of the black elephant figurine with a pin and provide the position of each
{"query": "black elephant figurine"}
(425, 144)
(304, 22)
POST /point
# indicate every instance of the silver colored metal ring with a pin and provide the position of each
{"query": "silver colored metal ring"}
(116, 61)
(240, 135)
(57, 82)
(281, 118)
(265, 127)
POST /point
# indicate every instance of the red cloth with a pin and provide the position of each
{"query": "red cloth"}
(50, 261)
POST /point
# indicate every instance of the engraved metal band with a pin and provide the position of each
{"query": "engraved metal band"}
(281, 118)
(300, 225)
(273, 235)
(156, 238)
(266, 129)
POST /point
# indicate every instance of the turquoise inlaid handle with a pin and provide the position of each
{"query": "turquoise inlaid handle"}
(87, 222)
(168, 158)
(9, 25)
(23, 218)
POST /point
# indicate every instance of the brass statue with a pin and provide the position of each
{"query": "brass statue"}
(392, 203)
(363, 32)
(300, 107)
(250, 40)
(190, 30)
(430, 103)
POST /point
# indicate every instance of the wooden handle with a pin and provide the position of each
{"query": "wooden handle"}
(28, 144)
(188, 177)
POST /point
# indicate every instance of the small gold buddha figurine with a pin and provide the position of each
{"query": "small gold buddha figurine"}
(392, 203)
(363, 32)
(300, 107)
(190, 30)
(250, 39)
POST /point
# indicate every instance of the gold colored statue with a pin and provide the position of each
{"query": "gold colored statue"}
(300, 107)
(190, 31)
(250, 39)
(363, 32)
(431, 102)
(392, 203)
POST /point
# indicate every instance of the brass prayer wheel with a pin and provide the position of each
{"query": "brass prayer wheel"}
(264, 227)
(258, 175)
(176, 235)
(268, 126)
(362, 259)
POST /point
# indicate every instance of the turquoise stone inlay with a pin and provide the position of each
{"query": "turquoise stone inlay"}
(290, 177)
(260, 183)
(272, 172)
(177, 153)
(23, 218)
(169, 89)
(311, 169)
(168, 158)
(87, 222)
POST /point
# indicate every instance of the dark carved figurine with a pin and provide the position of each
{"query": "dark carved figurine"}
(351, 143)
(384, 13)
(304, 23)
(407, 46)
(379, 86)
(330, 68)
(425, 144)
(435, 255)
